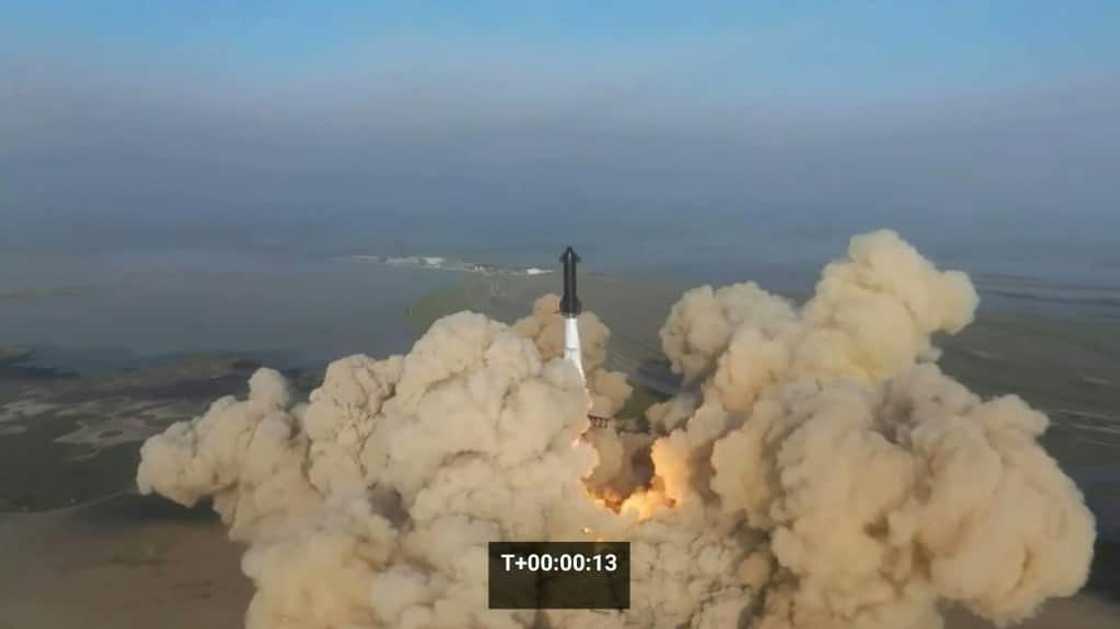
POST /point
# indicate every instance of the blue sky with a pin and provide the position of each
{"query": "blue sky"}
(163, 113)
(857, 50)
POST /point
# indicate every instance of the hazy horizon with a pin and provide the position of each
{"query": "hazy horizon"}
(349, 128)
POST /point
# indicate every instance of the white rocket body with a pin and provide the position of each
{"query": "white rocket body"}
(572, 351)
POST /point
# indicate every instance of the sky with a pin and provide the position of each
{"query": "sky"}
(331, 123)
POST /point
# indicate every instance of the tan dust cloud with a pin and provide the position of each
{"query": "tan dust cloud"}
(817, 470)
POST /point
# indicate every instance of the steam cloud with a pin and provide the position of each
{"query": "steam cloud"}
(818, 470)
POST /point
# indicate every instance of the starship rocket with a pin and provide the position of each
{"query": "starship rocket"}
(570, 309)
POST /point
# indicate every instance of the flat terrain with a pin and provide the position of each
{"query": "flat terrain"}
(125, 562)
(80, 549)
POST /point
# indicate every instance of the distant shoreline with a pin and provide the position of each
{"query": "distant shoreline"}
(439, 263)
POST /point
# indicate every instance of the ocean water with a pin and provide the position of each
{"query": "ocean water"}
(307, 300)
(107, 310)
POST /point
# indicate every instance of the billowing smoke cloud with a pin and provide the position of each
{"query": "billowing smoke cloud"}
(818, 470)
(608, 389)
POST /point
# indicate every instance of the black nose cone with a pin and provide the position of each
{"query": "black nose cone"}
(569, 257)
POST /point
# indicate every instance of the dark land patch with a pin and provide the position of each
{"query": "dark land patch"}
(1104, 576)
(132, 507)
(37, 473)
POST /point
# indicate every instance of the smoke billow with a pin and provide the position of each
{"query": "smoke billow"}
(818, 470)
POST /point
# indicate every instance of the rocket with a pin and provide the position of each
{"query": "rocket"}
(570, 309)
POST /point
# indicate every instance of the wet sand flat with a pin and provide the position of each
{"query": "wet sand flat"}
(127, 563)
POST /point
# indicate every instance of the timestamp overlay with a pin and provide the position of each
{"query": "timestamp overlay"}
(559, 575)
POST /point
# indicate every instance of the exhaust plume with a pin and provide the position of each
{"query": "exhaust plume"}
(818, 470)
